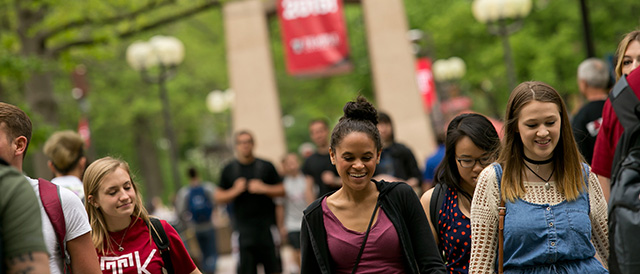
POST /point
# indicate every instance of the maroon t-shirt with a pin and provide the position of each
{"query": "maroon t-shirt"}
(610, 132)
(382, 253)
(140, 254)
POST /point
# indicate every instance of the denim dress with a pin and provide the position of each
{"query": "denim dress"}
(543, 238)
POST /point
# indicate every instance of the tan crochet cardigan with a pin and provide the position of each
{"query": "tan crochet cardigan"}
(484, 217)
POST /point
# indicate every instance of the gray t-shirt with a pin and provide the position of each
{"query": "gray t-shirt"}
(295, 202)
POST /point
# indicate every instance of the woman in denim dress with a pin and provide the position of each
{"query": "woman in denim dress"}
(556, 215)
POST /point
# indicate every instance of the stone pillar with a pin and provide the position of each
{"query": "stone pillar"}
(393, 69)
(252, 77)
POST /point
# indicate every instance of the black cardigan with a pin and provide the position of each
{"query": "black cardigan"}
(402, 207)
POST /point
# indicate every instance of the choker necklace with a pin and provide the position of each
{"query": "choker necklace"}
(120, 248)
(537, 162)
(546, 182)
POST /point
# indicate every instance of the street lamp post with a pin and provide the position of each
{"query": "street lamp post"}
(446, 73)
(503, 18)
(166, 53)
(449, 70)
(219, 102)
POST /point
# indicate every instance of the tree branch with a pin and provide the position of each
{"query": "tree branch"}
(151, 6)
(158, 23)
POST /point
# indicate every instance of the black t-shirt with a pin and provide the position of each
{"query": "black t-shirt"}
(586, 125)
(251, 212)
(397, 160)
(314, 166)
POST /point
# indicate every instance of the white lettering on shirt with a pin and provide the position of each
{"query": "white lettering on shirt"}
(117, 265)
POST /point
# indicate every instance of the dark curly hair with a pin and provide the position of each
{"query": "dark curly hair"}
(359, 116)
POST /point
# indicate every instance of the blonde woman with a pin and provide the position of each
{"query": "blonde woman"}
(119, 223)
(627, 60)
(65, 150)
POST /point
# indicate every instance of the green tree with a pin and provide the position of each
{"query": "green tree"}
(548, 48)
(124, 112)
(36, 37)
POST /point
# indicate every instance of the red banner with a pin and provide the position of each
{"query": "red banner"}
(314, 35)
(426, 85)
(84, 131)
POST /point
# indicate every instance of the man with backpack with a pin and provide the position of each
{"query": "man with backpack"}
(321, 175)
(22, 248)
(249, 184)
(65, 225)
(198, 204)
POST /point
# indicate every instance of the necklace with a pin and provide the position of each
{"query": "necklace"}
(546, 182)
(537, 162)
(120, 248)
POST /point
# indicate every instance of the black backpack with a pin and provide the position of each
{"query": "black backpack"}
(624, 201)
(162, 243)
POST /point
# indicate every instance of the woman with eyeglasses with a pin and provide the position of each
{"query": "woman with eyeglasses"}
(471, 144)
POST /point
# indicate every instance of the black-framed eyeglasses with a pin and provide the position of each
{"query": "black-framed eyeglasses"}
(471, 162)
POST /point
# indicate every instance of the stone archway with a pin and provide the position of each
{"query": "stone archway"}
(252, 77)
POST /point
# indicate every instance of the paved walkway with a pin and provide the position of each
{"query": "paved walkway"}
(226, 263)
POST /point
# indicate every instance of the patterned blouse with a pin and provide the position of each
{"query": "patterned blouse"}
(455, 234)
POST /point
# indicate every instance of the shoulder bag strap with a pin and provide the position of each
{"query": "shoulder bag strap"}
(502, 211)
(366, 235)
(162, 242)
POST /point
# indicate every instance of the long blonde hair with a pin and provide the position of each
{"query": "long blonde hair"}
(622, 48)
(92, 180)
(566, 156)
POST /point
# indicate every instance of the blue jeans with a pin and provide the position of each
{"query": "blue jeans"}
(207, 242)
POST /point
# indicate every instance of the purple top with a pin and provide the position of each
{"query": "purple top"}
(455, 234)
(382, 253)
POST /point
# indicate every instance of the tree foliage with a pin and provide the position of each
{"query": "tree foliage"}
(59, 35)
(548, 48)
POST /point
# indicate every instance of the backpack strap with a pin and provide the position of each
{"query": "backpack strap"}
(235, 168)
(585, 177)
(437, 198)
(162, 242)
(624, 103)
(50, 197)
(258, 169)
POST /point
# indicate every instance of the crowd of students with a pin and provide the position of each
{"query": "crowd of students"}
(529, 203)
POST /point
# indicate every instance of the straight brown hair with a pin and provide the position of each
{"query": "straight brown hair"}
(566, 156)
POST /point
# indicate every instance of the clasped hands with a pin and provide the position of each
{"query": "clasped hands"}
(253, 186)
